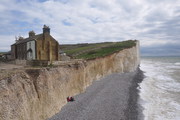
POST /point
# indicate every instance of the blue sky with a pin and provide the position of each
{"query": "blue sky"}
(156, 23)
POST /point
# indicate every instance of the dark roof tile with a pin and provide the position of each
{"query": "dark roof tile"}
(29, 39)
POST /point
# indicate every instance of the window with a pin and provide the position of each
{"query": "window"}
(29, 44)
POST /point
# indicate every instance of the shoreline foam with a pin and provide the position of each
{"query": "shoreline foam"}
(134, 109)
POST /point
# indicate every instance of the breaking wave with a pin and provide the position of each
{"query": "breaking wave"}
(160, 89)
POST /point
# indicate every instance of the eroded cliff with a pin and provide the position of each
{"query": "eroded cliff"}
(36, 94)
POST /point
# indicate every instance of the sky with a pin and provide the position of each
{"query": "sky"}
(155, 23)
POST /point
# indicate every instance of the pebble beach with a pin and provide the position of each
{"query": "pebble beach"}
(114, 97)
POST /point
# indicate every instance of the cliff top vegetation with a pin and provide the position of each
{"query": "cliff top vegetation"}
(95, 50)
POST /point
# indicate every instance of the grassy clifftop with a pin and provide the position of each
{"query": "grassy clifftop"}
(95, 50)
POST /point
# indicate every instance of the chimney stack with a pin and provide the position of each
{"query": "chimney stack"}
(20, 38)
(31, 33)
(46, 29)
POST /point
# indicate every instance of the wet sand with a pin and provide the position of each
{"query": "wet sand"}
(113, 97)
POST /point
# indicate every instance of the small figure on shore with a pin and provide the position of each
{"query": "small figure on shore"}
(70, 99)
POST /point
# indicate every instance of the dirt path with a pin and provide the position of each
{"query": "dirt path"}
(6, 66)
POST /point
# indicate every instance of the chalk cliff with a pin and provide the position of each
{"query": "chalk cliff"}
(37, 94)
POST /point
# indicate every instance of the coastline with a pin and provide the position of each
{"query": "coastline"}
(134, 109)
(112, 97)
(38, 94)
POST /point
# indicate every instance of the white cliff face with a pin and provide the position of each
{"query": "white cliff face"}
(37, 94)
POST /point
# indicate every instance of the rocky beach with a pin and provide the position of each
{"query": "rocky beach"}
(113, 97)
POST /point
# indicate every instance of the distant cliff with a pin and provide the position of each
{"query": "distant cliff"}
(37, 94)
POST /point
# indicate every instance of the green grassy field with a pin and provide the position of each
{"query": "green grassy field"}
(95, 50)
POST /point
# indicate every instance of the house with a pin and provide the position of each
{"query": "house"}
(36, 47)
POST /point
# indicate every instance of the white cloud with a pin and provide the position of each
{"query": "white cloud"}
(78, 21)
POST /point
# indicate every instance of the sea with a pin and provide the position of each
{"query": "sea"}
(160, 89)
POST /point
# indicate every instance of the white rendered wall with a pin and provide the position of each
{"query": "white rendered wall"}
(31, 56)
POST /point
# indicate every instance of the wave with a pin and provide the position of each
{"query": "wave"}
(159, 91)
(177, 63)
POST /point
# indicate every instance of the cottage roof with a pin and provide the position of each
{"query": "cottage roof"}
(35, 37)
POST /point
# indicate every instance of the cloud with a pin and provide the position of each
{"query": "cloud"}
(162, 50)
(74, 21)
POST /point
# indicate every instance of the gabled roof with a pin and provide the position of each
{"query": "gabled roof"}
(29, 39)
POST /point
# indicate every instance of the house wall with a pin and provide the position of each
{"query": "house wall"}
(21, 51)
(47, 48)
(13, 51)
(31, 45)
(55, 50)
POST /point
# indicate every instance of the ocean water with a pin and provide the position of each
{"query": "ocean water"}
(160, 89)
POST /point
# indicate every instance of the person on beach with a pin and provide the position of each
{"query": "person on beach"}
(70, 99)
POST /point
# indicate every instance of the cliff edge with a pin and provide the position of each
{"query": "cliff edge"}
(37, 94)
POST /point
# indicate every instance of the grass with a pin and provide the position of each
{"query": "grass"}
(72, 50)
(96, 50)
(77, 50)
(97, 53)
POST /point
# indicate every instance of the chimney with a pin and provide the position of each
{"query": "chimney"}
(31, 33)
(46, 29)
(20, 38)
